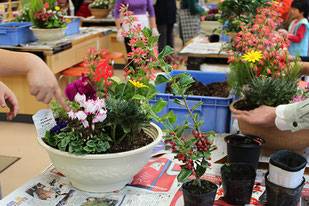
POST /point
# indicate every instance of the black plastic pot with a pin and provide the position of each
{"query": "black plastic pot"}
(288, 160)
(201, 199)
(237, 181)
(281, 196)
(244, 148)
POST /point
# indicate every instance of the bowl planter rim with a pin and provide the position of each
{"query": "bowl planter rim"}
(36, 28)
(107, 155)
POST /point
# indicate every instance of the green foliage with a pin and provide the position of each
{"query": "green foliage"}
(237, 11)
(269, 91)
(74, 141)
(124, 117)
(49, 17)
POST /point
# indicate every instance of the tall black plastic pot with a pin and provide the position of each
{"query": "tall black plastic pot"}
(281, 196)
(244, 148)
(206, 199)
(237, 181)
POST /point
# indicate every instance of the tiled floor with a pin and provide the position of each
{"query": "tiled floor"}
(20, 140)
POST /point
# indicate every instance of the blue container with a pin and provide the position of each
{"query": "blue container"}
(15, 33)
(214, 112)
(73, 26)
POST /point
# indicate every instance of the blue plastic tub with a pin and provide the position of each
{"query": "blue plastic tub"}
(73, 26)
(15, 33)
(214, 112)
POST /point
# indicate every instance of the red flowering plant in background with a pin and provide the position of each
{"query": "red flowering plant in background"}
(260, 70)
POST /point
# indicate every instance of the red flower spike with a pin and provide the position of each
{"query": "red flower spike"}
(103, 71)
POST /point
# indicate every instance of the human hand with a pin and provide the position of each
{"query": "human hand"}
(8, 98)
(262, 116)
(155, 32)
(120, 38)
(43, 83)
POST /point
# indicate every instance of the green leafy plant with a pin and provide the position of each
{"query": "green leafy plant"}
(234, 12)
(46, 14)
(101, 4)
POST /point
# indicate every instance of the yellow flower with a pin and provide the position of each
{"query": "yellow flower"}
(137, 84)
(68, 20)
(252, 56)
(57, 8)
(276, 2)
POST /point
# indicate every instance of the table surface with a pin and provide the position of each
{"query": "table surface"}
(61, 45)
(149, 187)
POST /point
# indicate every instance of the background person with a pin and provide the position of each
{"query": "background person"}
(166, 11)
(42, 82)
(140, 9)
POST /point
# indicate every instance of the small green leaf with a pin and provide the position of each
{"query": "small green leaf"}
(167, 124)
(171, 116)
(159, 106)
(183, 175)
(195, 116)
(168, 68)
(161, 79)
(196, 105)
(178, 101)
(153, 39)
(166, 51)
(90, 143)
(139, 97)
(200, 171)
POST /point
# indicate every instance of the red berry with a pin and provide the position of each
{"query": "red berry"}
(193, 132)
(209, 158)
(209, 164)
(171, 133)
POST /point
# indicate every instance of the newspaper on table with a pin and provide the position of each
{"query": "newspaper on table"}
(200, 45)
(156, 184)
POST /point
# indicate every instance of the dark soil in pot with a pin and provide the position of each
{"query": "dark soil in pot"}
(195, 196)
(238, 181)
(244, 148)
(281, 196)
(138, 140)
(215, 89)
(243, 105)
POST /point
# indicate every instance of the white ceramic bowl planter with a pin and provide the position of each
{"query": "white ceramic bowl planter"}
(286, 168)
(103, 172)
(48, 35)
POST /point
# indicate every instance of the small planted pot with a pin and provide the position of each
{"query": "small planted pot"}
(244, 148)
(237, 181)
(195, 196)
(286, 168)
(277, 195)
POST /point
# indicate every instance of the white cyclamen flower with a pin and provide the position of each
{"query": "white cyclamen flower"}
(80, 98)
(100, 116)
(71, 114)
(81, 115)
(85, 123)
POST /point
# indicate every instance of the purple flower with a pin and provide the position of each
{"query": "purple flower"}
(70, 91)
(81, 86)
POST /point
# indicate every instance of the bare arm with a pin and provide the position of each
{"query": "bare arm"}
(152, 22)
(42, 82)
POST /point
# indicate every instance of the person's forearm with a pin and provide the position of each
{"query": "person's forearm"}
(16, 62)
(152, 21)
(117, 22)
